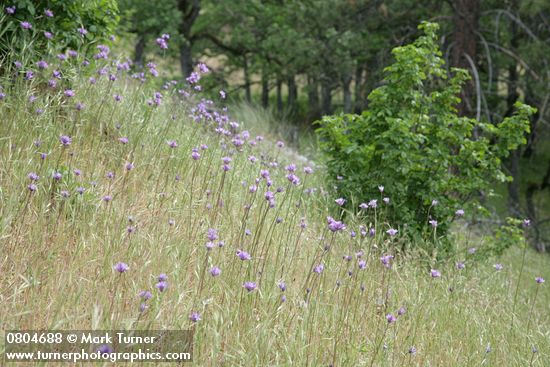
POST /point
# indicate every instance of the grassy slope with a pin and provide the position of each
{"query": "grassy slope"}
(58, 254)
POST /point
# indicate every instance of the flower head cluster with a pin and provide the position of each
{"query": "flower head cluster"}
(335, 225)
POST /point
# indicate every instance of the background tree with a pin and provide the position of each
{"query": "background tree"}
(307, 58)
(148, 20)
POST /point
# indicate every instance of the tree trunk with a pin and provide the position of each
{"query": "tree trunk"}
(247, 92)
(265, 90)
(186, 59)
(313, 99)
(346, 90)
(139, 51)
(292, 95)
(532, 189)
(326, 98)
(465, 19)
(279, 95)
(514, 160)
(358, 95)
(190, 10)
(513, 187)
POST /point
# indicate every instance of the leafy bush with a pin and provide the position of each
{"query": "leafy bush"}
(411, 141)
(61, 18)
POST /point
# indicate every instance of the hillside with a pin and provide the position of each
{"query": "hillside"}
(230, 236)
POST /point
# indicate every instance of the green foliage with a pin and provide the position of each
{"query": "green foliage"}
(412, 141)
(137, 18)
(506, 236)
(98, 17)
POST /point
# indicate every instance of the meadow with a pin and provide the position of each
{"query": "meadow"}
(125, 205)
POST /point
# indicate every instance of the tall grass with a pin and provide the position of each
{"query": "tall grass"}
(215, 224)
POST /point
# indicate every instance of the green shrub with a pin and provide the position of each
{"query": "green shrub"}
(411, 141)
(98, 17)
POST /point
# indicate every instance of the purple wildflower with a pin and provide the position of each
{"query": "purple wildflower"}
(340, 201)
(195, 317)
(295, 180)
(48, 13)
(161, 286)
(539, 280)
(105, 349)
(121, 267)
(435, 273)
(319, 269)
(335, 225)
(33, 176)
(25, 25)
(249, 286)
(162, 277)
(203, 68)
(215, 271)
(386, 260)
(145, 295)
(65, 140)
(392, 232)
(42, 64)
(390, 318)
(161, 42)
(212, 234)
(243, 255)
